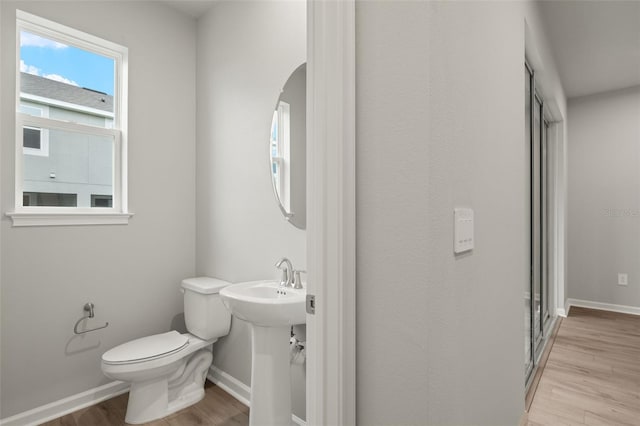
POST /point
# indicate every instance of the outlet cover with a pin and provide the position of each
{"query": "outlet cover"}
(463, 230)
(623, 279)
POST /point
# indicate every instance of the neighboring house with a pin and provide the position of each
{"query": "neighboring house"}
(63, 168)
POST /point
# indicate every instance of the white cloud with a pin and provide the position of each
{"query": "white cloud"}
(28, 39)
(61, 79)
(29, 69)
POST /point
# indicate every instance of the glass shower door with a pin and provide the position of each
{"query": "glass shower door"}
(537, 298)
(528, 346)
(536, 221)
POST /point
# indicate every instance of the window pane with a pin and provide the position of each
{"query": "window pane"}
(101, 200)
(274, 135)
(76, 163)
(49, 199)
(75, 84)
(31, 137)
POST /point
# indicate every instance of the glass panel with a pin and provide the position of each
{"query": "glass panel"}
(31, 137)
(536, 218)
(546, 299)
(73, 84)
(75, 163)
(275, 152)
(49, 199)
(99, 200)
(528, 353)
(275, 173)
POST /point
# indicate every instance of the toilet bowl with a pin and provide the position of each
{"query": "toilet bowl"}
(167, 371)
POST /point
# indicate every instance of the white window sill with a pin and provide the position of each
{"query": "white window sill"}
(68, 218)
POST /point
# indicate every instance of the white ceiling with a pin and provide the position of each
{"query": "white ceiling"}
(193, 8)
(596, 44)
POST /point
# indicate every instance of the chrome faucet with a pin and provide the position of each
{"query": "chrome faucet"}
(287, 272)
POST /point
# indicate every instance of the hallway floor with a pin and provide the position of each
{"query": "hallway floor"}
(592, 376)
(218, 408)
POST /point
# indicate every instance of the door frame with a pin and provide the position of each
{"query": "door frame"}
(331, 210)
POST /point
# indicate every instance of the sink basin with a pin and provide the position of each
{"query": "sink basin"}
(265, 303)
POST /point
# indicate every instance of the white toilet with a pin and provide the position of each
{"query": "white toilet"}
(167, 371)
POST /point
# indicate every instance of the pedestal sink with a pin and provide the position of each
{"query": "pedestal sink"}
(271, 310)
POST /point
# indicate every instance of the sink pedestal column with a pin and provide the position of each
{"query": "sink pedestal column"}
(270, 376)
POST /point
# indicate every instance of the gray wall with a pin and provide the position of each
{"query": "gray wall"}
(132, 273)
(246, 52)
(440, 124)
(604, 197)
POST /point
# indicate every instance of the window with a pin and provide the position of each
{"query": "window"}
(101, 200)
(71, 136)
(280, 161)
(31, 138)
(35, 139)
(49, 199)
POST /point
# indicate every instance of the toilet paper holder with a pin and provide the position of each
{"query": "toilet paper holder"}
(89, 313)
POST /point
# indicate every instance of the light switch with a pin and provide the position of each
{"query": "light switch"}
(463, 230)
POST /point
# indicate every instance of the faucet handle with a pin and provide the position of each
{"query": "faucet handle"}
(297, 281)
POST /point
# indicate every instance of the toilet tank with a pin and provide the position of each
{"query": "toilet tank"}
(204, 313)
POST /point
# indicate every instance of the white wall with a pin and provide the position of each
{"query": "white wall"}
(246, 52)
(132, 273)
(604, 197)
(440, 124)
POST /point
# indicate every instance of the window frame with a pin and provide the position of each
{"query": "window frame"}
(48, 216)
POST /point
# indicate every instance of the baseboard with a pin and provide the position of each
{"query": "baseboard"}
(297, 420)
(67, 405)
(624, 309)
(237, 389)
(230, 384)
(563, 312)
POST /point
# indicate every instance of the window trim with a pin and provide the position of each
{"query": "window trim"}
(48, 216)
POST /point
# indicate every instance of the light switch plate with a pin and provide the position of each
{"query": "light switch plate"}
(463, 230)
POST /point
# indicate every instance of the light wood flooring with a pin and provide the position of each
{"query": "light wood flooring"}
(592, 375)
(218, 408)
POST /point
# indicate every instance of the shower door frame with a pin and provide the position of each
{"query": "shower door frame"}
(539, 332)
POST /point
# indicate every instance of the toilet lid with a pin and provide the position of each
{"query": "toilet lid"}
(146, 348)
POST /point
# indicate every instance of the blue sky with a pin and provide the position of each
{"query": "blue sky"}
(68, 64)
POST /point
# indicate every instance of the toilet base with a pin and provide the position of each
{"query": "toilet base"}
(157, 398)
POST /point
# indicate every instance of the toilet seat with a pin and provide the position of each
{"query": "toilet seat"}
(146, 349)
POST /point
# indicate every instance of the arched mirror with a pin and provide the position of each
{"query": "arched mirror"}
(288, 149)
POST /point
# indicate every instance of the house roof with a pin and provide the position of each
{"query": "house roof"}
(55, 90)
